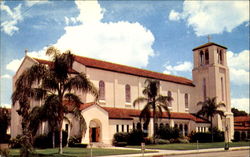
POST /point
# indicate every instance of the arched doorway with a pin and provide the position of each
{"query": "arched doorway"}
(95, 131)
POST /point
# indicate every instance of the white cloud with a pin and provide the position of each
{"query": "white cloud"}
(90, 11)
(14, 65)
(13, 17)
(121, 42)
(241, 104)
(5, 76)
(239, 67)
(5, 105)
(213, 17)
(70, 20)
(30, 3)
(181, 67)
(174, 16)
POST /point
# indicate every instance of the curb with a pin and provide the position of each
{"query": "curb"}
(178, 152)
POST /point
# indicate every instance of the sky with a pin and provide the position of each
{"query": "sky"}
(153, 35)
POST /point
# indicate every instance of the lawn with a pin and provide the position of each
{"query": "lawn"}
(191, 146)
(80, 152)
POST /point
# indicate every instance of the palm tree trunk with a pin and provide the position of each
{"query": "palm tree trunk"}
(53, 139)
(60, 138)
(212, 130)
(154, 121)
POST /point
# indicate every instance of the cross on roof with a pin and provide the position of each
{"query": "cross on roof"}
(208, 38)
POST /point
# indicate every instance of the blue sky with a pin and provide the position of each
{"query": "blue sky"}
(154, 35)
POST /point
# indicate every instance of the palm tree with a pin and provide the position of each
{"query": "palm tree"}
(154, 102)
(52, 84)
(209, 109)
(4, 122)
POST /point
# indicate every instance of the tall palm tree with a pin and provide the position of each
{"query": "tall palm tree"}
(154, 102)
(4, 122)
(209, 109)
(52, 84)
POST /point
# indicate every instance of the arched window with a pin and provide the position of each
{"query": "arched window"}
(186, 100)
(222, 89)
(170, 95)
(204, 89)
(220, 57)
(206, 57)
(127, 93)
(201, 57)
(167, 125)
(101, 90)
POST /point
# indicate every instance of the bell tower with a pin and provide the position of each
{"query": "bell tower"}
(211, 79)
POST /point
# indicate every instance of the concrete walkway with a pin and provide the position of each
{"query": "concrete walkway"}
(173, 152)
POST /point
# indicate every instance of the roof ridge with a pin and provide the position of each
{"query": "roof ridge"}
(132, 67)
(186, 80)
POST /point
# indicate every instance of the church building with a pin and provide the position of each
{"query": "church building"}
(120, 85)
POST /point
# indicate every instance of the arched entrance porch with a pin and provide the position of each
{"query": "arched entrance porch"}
(95, 130)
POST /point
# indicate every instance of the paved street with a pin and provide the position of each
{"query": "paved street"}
(238, 153)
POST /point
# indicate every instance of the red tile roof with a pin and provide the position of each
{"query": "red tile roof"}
(241, 128)
(42, 61)
(124, 113)
(242, 119)
(131, 70)
(208, 44)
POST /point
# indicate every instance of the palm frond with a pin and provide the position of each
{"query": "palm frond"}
(52, 51)
(82, 123)
(82, 83)
(39, 93)
(146, 114)
(73, 99)
(36, 117)
(49, 82)
(140, 100)
(152, 88)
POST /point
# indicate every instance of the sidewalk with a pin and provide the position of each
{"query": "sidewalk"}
(174, 152)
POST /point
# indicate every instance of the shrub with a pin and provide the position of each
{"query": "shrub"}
(4, 138)
(136, 137)
(45, 141)
(79, 145)
(121, 144)
(121, 137)
(15, 142)
(41, 141)
(243, 136)
(236, 136)
(165, 132)
(74, 140)
(207, 136)
(219, 136)
(201, 137)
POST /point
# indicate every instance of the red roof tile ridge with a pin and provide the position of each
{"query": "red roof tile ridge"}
(171, 78)
(188, 81)
(43, 60)
(208, 44)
